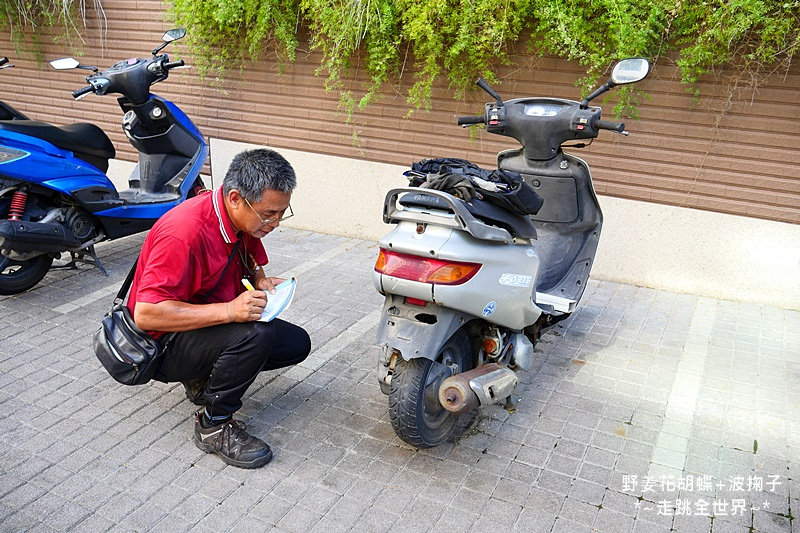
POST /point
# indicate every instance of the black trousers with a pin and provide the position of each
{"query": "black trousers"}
(233, 355)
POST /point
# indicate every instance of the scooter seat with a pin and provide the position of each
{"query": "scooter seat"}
(87, 141)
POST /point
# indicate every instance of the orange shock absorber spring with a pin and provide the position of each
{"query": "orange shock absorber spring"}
(17, 205)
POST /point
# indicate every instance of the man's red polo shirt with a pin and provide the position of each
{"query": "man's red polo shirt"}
(186, 251)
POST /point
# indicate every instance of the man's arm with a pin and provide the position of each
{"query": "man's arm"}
(172, 315)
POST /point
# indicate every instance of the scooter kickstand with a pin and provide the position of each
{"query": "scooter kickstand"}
(78, 257)
(96, 259)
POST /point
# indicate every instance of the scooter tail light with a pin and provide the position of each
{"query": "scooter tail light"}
(425, 269)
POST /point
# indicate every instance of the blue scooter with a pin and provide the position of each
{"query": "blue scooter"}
(55, 196)
(6, 111)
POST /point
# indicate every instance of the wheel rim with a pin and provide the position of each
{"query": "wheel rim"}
(9, 268)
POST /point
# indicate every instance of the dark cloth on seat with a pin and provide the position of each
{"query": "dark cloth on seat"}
(513, 193)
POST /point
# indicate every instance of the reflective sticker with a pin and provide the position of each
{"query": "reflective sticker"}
(489, 309)
(516, 280)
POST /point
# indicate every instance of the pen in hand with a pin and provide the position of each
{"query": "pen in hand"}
(247, 284)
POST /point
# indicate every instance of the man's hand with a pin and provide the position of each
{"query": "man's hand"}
(268, 284)
(247, 307)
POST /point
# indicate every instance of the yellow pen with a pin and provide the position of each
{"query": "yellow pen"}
(247, 284)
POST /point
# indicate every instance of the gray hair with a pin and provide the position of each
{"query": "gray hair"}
(254, 171)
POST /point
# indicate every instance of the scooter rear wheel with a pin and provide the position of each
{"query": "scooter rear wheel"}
(414, 409)
(19, 276)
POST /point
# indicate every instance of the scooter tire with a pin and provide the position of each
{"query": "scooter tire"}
(414, 409)
(19, 276)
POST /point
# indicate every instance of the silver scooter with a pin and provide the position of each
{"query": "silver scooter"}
(468, 294)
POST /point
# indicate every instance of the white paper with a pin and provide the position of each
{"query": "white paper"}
(278, 302)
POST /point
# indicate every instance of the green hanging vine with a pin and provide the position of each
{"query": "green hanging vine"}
(24, 19)
(226, 32)
(463, 39)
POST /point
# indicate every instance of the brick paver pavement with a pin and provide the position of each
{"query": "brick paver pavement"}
(646, 411)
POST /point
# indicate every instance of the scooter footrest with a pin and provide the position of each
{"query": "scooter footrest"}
(559, 303)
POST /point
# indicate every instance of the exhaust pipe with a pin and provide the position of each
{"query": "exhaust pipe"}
(23, 236)
(485, 385)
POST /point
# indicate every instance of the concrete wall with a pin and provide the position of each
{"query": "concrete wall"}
(651, 245)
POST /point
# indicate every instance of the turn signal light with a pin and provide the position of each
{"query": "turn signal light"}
(424, 269)
(490, 346)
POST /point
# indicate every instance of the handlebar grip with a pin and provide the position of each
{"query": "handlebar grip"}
(174, 64)
(466, 121)
(81, 92)
(619, 127)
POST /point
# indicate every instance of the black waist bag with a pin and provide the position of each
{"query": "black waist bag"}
(130, 355)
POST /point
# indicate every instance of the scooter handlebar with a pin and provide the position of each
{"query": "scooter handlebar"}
(80, 92)
(619, 127)
(466, 121)
(173, 64)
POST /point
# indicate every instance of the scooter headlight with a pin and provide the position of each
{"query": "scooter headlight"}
(11, 154)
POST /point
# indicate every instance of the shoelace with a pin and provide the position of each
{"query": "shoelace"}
(232, 428)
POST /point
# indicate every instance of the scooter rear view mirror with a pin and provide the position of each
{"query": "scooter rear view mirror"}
(170, 35)
(174, 34)
(630, 70)
(626, 71)
(65, 63)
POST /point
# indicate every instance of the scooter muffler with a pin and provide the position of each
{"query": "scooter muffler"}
(24, 236)
(485, 385)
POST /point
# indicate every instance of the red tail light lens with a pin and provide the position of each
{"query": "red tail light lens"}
(424, 269)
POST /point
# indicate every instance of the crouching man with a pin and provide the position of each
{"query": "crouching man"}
(188, 293)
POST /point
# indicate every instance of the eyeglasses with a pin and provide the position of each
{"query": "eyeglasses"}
(269, 220)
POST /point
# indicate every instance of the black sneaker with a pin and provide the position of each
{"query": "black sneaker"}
(194, 390)
(232, 443)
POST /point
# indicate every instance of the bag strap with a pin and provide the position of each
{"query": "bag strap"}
(123, 290)
(230, 259)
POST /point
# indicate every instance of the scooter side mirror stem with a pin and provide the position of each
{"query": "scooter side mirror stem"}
(597, 92)
(485, 86)
(160, 47)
